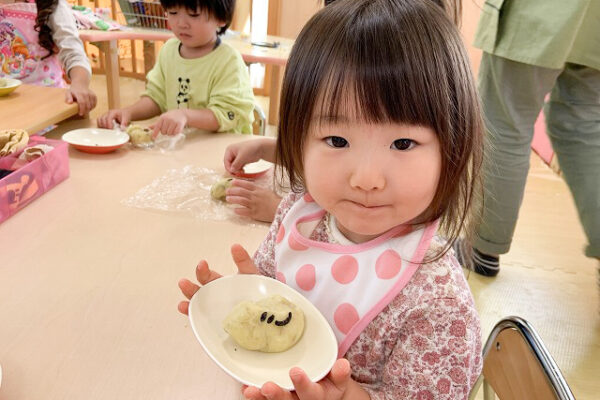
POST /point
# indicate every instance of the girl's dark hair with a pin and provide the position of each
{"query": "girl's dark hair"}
(453, 8)
(222, 10)
(400, 61)
(45, 8)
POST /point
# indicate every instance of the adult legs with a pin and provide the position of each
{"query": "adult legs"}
(573, 119)
(512, 97)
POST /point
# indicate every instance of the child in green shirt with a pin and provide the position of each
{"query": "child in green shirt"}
(198, 81)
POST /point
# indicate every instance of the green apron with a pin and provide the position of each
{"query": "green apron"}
(544, 33)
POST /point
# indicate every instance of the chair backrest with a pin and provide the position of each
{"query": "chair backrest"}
(259, 126)
(517, 365)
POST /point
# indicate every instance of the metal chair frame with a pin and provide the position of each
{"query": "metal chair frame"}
(530, 337)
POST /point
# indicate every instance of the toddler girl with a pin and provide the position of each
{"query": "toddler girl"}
(381, 136)
(38, 41)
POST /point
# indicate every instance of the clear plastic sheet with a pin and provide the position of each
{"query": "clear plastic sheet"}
(162, 143)
(187, 191)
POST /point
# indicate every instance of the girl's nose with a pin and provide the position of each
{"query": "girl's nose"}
(368, 174)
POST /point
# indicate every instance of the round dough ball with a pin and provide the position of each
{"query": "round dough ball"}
(217, 191)
(271, 325)
(139, 135)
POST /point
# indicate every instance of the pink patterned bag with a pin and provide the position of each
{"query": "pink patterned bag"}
(21, 56)
(34, 178)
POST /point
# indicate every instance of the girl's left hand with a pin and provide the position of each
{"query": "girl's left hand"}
(170, 123)
(332, 387)
(83, 96)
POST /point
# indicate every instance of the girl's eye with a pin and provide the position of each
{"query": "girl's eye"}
(336, 141)
(172, 12)
(403, 144)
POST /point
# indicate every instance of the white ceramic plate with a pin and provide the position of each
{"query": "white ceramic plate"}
(9, 86)
(315, 352)
(96, 140)
(255, 169)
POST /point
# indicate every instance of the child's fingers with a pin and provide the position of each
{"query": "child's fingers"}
(252, 393)
(204, 274)
(243, 183)
(155, 129)
(243, 212)
(340, 374)
(238, 200)
(242, 260)
(305, 388)
(273, 392)
(124, 119)
(187, 288)
(83, 104)
(93, 101)
(183, 307)
(69, 97)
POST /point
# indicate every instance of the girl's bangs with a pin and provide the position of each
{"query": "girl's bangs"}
(374, 78)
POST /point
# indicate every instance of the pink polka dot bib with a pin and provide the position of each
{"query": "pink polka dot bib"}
(349, 284)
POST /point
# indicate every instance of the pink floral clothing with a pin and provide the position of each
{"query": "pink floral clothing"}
(426, 344)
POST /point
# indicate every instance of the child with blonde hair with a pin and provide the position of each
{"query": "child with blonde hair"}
(380, 135)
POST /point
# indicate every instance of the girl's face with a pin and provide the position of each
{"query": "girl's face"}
(196, 30)
(371, 177)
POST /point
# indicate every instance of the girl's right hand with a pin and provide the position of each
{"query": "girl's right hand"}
(239, 154)
(121, 115)
(242, 260)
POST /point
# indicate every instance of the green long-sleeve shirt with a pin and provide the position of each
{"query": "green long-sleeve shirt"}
(218, 81)
(545, 33)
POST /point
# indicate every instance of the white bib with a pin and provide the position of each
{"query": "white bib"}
(352, 284)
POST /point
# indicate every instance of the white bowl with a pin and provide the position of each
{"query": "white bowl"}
(315, 352)
(10, 86)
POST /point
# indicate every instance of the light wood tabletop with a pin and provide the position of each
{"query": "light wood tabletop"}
(88, 285)
(34, 108)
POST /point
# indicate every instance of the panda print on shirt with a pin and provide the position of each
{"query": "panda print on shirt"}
(183, 94)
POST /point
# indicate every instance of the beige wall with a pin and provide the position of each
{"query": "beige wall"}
(471, 11)
(293, 14)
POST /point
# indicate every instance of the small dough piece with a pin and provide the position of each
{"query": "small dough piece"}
(139, 135)
(35, 152)
(217, 191)
(17, 140)
(272, 325)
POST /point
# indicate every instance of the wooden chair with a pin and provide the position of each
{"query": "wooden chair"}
(259, 125)
(517, 365)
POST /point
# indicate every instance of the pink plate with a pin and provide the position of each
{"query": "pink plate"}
(96, 140)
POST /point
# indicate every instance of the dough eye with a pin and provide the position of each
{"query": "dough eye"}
(283, 322)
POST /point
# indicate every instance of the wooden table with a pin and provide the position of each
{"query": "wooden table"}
(34, 108)
(107, 41)
(88, 286)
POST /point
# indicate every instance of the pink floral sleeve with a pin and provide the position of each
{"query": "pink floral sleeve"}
(437, 356)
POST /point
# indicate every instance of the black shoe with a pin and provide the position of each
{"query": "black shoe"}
(483, 264)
